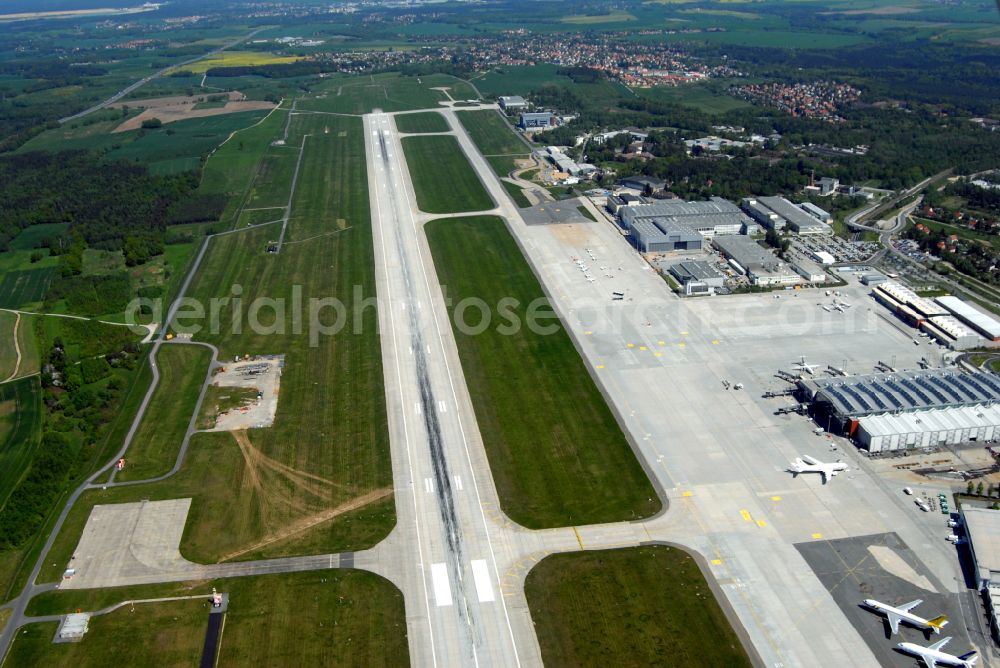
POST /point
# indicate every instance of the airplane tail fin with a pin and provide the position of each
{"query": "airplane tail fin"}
(938, 623)
(969, 659)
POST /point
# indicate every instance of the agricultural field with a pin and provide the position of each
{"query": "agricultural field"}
(421, 122)
(237, 59)
(594, 19)
(20, 429)
(491, 134)
(443, 179)
(154, 448)
(24, 287)
(710, 98)
(347, 617)
(557, 454)
(33, 235)
(176, 147)
(640, 606)
(249, 496)
(8, 351)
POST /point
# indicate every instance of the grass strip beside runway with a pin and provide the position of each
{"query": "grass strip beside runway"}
(154, 448)
(423, 121)
(556, 452)
(443, 179)
(642, 606)
(339, 617)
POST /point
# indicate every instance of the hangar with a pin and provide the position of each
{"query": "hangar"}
(896, 411)
(983, 528)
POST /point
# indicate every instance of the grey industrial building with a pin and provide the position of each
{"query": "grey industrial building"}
(536, 120)
(697, 277)
(709, 218)
(911, 409)
(761, 266)
(778, 213)
(512, 103)
(642, 182)
(661, 234)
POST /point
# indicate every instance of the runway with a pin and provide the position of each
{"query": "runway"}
(444, 550)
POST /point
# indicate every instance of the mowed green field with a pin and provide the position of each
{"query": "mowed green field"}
(490, 134)
(641, 606)
(20, 430)
(231, 169)
(421, 122)
(319, 479)
(24, 286)
(361, 95)
(443, 179)
(557, 454)
(338, 617)
(154, 448)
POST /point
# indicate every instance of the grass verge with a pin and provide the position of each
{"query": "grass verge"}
(157, 441)
(557, 454)
(342, 617)
(516, 194)
(443, 179)
(421, 122)
(490, 133)
(643, 606)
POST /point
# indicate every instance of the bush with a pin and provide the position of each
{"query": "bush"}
(94, 369)
(152, 124)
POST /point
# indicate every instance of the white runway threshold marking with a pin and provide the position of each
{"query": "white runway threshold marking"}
(429, 485)
(442, 590)
(481, 574)
(458, 482)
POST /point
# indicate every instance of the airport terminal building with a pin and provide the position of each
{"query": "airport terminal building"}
(912, 409)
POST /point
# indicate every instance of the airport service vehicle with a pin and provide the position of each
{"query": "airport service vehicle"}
(923, 505)
(807, 464)
(908, 491)
(933, 656)
(895, 615)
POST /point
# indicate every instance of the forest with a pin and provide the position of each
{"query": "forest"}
(111, 205)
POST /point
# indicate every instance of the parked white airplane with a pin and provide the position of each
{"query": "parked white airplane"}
(807, 464)
(895, 615)
(802, 366)
(933, 656)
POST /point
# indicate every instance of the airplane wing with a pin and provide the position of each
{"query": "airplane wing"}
(928, 661)
(940, 643)
(811, 460)
(906, 607)
(893, 621)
